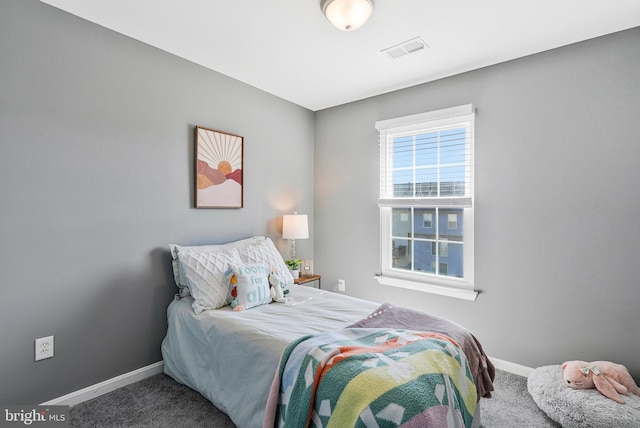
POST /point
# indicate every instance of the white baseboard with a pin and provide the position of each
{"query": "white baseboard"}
(108, 385)
(510, 367)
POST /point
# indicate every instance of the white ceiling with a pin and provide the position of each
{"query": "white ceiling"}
(288, 48)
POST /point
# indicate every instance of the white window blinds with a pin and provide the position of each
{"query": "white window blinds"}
(426, 160)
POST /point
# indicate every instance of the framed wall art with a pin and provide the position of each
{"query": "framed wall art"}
(219, 169)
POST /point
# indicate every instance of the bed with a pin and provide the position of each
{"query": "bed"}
(234, 358)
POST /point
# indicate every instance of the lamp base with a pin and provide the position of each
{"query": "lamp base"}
(293, 249)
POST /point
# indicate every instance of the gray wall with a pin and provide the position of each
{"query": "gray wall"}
(556, 209)
(96, 160)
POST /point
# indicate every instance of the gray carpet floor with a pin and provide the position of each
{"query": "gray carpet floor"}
(159, 401)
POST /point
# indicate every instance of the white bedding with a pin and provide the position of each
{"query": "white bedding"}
(231, 357)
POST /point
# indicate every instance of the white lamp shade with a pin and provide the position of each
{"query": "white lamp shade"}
(347, 15)
(295, 226)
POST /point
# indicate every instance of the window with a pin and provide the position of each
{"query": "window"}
(426, 201)
(427, 219)
(453, 221)
(443, 249)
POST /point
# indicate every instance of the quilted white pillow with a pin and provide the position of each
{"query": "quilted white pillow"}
(178, 250)
(205, 273)
(262, 250)
(178, 274)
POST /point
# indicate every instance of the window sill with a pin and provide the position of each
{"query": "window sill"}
(428, 288)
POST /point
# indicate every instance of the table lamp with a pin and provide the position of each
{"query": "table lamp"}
(295, 226)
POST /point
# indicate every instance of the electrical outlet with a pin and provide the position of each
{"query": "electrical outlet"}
(341, 286)
(44, 348)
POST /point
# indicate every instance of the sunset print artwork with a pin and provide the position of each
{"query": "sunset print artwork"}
(218, 169)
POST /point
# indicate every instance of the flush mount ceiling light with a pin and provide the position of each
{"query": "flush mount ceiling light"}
(347, 15)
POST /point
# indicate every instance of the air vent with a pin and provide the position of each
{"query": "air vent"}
(405, 48)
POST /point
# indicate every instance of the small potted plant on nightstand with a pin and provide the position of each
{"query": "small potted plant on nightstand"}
(294, 267)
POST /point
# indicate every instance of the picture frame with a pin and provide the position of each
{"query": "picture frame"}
(219, 169)
(306, 268)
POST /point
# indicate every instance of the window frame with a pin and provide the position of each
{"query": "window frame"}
(422, 281)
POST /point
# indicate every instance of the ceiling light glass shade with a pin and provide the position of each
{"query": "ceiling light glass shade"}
(347, 15)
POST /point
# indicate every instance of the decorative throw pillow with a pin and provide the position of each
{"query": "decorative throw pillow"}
(251, 283)
(264, 251)
(207, 279)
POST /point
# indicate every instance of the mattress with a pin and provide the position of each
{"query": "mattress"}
(231, 357)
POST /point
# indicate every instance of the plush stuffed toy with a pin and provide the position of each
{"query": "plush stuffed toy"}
(610, 379)
(277, 295)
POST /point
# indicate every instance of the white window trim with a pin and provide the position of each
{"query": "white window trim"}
(445, 286)
(427, 288)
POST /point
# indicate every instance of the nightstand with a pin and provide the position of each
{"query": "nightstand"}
(307, 280)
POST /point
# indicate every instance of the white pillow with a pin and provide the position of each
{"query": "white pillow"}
(178, 274)
(207, 279)
(252, 284)
(262, 250)
(243, 243)
(177, 250)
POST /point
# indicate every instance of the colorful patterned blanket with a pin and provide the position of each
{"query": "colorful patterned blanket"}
(390, 316)
(370, 377)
